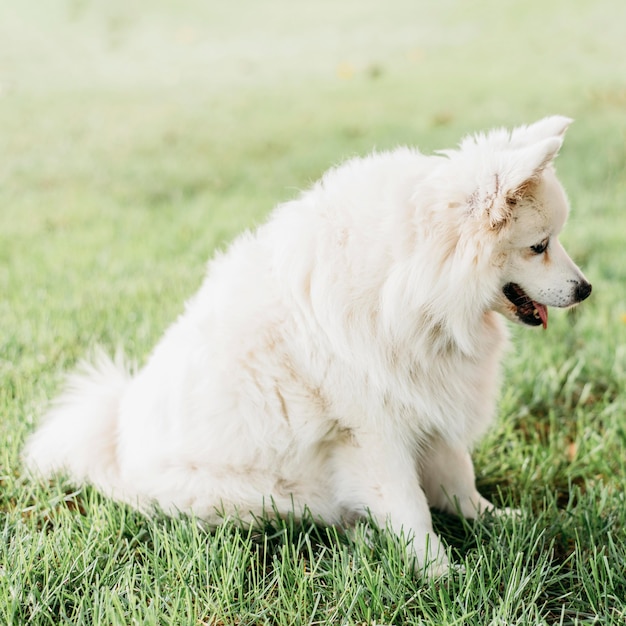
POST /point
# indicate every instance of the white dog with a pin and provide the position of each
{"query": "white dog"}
(342, 358)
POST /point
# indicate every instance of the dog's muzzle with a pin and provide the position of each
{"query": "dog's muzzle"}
(533, 313)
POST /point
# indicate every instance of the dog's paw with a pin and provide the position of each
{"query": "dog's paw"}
(434, 570)
(477, 506)
(506, 511)
(440, 569)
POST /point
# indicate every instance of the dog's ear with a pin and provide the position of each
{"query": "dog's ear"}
(527, 164)
(521, 169)
(553, 126)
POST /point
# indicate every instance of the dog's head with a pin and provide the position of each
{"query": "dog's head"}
(516, 197)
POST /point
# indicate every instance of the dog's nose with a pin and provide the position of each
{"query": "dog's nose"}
(583, 290)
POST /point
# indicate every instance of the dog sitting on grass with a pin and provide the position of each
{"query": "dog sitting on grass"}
(344, 357)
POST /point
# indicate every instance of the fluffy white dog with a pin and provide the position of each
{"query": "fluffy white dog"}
(344, 356)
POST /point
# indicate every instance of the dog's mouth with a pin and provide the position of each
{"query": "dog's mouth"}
(527, 310)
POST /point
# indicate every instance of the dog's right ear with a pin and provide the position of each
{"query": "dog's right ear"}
(529, 162)
(522, 168)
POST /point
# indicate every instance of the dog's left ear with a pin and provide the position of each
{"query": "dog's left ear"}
(523, 167)
(553, 126)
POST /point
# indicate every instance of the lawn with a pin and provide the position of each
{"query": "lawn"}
(136, 140)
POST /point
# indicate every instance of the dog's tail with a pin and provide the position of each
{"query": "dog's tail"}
(78, 436)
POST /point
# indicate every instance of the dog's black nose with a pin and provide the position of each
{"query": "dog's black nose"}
(583, 290)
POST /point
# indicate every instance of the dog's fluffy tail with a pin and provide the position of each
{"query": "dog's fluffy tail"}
(78, 436)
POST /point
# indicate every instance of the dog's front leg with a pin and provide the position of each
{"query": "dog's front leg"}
(377, 476)
(447, 476)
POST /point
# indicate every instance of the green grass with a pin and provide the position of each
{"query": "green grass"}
(134, 141)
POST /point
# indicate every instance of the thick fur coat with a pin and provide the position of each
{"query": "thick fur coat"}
(344, 357)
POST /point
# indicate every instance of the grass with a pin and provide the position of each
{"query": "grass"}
(136, 142)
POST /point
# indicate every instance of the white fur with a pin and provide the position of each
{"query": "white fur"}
(343, 357)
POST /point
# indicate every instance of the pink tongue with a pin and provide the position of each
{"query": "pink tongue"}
(543, 313)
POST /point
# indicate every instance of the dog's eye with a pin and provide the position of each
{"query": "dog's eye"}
(511, 201)
(540, 248)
